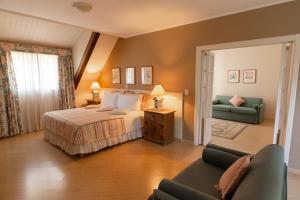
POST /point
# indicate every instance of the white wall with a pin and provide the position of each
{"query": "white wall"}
(266, 59)
(79, 48)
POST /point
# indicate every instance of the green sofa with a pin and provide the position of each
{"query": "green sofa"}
(266, 178)
(252, 111)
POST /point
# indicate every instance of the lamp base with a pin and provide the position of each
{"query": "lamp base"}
(158, 103)
(95, 96)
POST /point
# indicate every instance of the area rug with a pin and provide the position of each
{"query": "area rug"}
(226, 129)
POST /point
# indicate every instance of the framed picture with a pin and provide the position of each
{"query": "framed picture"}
(146, 75)
(233, 76)
(116, 75)
(249, 76)
(130, 75)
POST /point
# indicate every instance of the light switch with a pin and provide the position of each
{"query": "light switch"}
(186, 92)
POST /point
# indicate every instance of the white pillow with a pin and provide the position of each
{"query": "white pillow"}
(109, 99)
(130, 101)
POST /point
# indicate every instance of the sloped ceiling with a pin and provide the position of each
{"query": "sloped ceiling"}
(20, 28)
(126, 18)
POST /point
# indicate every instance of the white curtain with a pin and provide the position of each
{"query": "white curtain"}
(38, 86)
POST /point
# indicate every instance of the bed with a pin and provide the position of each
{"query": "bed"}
(87, 130)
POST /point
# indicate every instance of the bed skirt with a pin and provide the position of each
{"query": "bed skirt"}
(74, 149)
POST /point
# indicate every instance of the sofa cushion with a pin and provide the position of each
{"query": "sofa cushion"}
(232, 177)
(201, 176)
(220, 107)
(183, 192)
(265, 177)
(249, 101)
(236, 101)
(244, 110)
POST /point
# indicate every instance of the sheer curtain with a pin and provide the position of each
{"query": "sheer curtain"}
(38, 86)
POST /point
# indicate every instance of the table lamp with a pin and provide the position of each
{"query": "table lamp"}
(95, 87)
(158, 91)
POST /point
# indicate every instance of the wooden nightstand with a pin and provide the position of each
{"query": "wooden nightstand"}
(92, 102)
(159, 126)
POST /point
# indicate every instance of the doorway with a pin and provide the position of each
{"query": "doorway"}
(244, 96)
(204, 85)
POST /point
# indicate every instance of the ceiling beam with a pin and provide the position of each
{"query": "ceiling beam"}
(86, 57)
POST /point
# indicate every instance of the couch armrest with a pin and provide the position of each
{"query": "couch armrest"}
(215, 102)
(261, 112)
(161, 195)
(183, 192)
(218, 158)
(231, 151)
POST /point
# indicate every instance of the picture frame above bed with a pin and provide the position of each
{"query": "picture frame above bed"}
(130, 75)
(147, 75)
(116, 75)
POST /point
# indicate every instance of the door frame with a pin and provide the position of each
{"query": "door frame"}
(198, 136)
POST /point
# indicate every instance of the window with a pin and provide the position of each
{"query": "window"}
(35, 72)
(38, 86)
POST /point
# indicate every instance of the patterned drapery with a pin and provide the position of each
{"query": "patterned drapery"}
(10, 115)
(66, 70)
(66, 82)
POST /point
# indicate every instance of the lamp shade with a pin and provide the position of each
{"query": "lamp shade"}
(95, 86)
(158, 90)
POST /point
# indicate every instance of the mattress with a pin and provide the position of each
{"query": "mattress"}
(81, 131)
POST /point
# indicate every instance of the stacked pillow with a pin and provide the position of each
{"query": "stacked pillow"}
(124, 101)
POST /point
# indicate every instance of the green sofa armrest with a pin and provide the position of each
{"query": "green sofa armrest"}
(231, 151)
(183, 192)
(161, 195)
(260, 111)
(218, 158)
(215, 102)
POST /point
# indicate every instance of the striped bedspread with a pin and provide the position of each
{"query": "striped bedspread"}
(81, 128)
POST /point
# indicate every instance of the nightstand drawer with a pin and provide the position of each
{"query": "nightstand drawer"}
(153, 133)
(154, 117)
(159, 126)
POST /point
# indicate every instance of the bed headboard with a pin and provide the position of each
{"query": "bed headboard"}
(172, 100)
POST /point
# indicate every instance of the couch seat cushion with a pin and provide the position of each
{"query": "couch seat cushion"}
(221, 107)
(201, 176)
(244, 110)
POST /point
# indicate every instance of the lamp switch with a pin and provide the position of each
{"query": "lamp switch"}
(186, 92)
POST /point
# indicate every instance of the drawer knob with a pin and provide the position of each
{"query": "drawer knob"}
(161, 126)
(146, 122)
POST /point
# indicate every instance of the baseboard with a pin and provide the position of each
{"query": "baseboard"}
(294, 171)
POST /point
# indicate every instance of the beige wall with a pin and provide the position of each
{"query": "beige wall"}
(96, 63)
(265, 59)
(172, 52)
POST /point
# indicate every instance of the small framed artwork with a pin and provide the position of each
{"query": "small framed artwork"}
(130, 75)
(233, 76)
(249, 76)
(116, 75)
(146, 75)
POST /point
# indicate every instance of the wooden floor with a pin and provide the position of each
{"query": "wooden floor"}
(252, 139)
(32, 169)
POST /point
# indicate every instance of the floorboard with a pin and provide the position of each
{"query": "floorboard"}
(32, 169)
